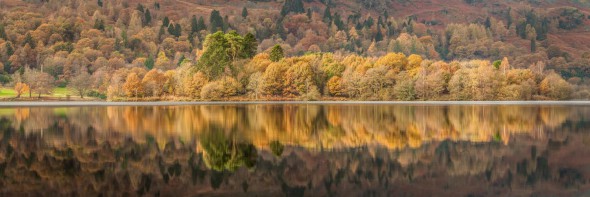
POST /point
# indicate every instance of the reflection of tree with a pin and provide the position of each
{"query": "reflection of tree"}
(221, 153)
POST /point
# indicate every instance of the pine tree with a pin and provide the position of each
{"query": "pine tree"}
(276, 53)
(327, 14)
(2, 32)
(147, 17)
(533, 45)
(379, 35)
(250, 46)
(201, 24)
(309, 14)
(244, 12)
(215, 21)
(99, 24)
(172, 29)
(149, 63)
(295, 6)
(161, 33)
(9, 49)
(194, 24)
(166, 22)
(29, 40)
(215, 58)
(99, 2)
(140, 8)
(177, 30)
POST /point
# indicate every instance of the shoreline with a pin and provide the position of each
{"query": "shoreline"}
(186, 103)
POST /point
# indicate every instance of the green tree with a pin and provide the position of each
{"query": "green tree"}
(327, 14)
(201, 24)
(149, 62)
(244, 12)
(235, 44)
(295, 6)
(533, 45)
(99, 2)
(194, 24)
(147, 17)
(99, 24)
(2, 32)
(215, 21)
(250, 46)
(215, 58)
(29, 40)
(276, 53)
(166, 22)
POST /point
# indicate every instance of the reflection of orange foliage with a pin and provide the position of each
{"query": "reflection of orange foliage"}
(313, 126)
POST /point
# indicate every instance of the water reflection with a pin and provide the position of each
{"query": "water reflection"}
(295, 150)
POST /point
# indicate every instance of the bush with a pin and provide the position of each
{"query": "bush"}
(96, 94)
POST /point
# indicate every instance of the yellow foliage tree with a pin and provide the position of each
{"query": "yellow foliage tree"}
(20, 88)
(133, 86)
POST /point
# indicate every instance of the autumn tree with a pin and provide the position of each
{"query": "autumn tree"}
(20, 88)
(132, 86)
(555, 87)
(80, 84)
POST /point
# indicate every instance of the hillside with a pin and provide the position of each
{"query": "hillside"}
(68, 39)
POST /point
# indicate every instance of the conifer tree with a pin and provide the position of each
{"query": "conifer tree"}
(276, 53)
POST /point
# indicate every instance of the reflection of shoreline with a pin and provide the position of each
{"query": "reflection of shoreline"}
(177, 103)
(314, 127)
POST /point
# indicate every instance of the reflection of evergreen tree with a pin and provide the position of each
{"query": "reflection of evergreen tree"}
(221, 153)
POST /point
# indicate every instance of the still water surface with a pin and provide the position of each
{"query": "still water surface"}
(296, 150)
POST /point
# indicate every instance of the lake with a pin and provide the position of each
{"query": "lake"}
(296, 149)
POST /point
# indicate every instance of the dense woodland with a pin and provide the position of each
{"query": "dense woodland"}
(301, 50)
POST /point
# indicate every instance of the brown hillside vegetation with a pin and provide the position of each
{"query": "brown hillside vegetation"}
(328, 45)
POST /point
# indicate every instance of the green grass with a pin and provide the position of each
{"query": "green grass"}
(57, 92)
(6, 92)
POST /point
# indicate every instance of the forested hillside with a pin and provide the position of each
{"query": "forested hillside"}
(297, 49)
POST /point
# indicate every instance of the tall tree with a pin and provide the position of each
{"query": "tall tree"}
(194, 24)
(166, 22)
(147, 17)
(215, 22)
(244, 12)
(215, 58)
(295, 6)
(99, 2)
(201, 24)
(250, 45)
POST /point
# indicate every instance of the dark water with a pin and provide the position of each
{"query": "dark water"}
(296, 150)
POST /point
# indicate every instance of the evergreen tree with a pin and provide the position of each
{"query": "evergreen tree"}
(508, 18)
(215, 22)
(488, 23)
(201, 24)
(140, 8)
(99, 24)
(166, 22)
(194, 24)
(327, 14)
(161, 33)
(157, 5)
(149, 63)
(295, 6)
(533, 45)
(29, 40)
(250, 46)
(147, 17)
(338, 21)
(276, 53)
(379, 35)
(172, 29)
(2, 32)
(9, 49)
(215, 58)
(280, 29)
(99, 2)
(244, 12)
(309, 14)
(177, 30)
